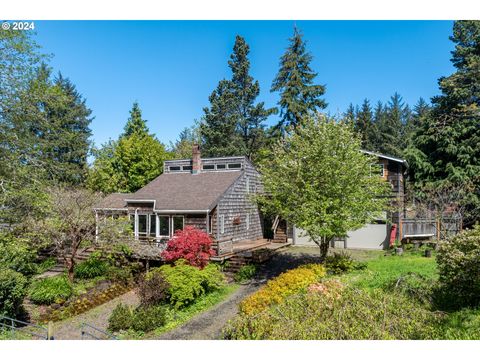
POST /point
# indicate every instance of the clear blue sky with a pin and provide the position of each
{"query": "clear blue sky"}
(171, 67)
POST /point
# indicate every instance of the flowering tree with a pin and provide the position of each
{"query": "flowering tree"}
(191, 244)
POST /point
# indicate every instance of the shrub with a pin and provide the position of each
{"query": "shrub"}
(152, 289)
(246, 272)
(148, 318)
(339, 262)
(141, 319)
(121, 276)
(91, 268)
(187, 283)
(49, 290)
(13, 286)
(459, 267)
(191, 244)
(415, 286)
(121, 318)
(16, 255)
(277, 289)
(351, 314)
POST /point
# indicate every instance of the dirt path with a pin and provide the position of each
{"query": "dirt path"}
(209, 324)
(70, 329)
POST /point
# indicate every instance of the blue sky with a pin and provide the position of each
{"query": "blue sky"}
(171, 67)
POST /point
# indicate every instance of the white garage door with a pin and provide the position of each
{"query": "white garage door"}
(371, 236)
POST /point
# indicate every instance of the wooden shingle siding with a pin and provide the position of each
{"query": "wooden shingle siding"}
(198, 221)
(237, 202)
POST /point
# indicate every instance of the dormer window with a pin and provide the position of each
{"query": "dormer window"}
(208, 167)
(187, 168)
(220, 166)
(174, 168)
(235, 166)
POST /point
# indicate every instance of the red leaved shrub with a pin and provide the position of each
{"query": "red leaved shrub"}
(191, 244)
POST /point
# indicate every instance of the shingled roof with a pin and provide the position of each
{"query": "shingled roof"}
(113, 201)
(186, 191)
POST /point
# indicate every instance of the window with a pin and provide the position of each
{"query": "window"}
(247, 185)
(208, 167)
(382, 170)
(210, 224)
(177, 223)
(222, 224)
(174, 168)
(153, 225)
(164, 225)
(247, 221)
(234, 166)
(142, 224)
(220, 166)
(187, 167)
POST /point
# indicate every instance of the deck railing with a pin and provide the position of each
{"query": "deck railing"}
(14, 325)
(91, 332)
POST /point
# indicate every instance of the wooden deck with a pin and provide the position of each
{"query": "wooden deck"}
(248, 245)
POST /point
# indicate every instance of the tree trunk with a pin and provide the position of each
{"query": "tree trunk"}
(324, 245)
(71, 269)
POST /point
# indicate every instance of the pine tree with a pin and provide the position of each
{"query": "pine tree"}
(234, 124)
(135, 123)
(220, 136)
(245, 90)
(447, 148)
(351, 114)
(365, 126)
(299, 96)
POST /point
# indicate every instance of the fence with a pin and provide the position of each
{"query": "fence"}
(14, 325)
(439, 229)
(92, 332)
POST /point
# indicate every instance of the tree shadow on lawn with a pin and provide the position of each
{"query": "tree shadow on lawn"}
(283, 261)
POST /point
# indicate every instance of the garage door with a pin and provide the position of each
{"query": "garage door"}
(371, 236)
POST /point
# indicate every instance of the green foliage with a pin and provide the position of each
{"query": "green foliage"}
(91, 268)
(49, 290)
(246, 272)
(339, 262)
(153, 289)
(144, 319)
(121, 318)
(446, 144)
(121, 275)
(16, 254)
(351, 315)
(326, 187)
(461, 325)
(459, 267)
(128, 164)
(13, 287)
(299, 96)
(187, 283)
(135, 123)
(234, 124)
(149, 318)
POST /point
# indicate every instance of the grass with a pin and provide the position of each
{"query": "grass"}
(385, 269)
(176, 318)
(360, 255)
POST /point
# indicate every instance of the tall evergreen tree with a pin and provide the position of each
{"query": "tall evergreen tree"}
(135, 123)
(245, 90)
(447, 148)
(365, 126)
(220, 136)
(234, 123)
(351, 114)
(299, 95)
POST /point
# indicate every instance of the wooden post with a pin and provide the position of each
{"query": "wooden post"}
(439, 224)
(50, 331)
(400, 230)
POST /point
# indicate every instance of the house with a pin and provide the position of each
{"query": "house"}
(213, 194)
(377, 234)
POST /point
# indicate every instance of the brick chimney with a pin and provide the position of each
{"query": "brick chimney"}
(196, 159)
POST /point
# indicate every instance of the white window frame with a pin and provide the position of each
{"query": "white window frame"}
(247, 221)
(247, 185)
(382, 167)
(169, 228)
(172, 231)
(222, 224)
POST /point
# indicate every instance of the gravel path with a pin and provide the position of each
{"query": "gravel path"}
(209, 324)
(70, 329)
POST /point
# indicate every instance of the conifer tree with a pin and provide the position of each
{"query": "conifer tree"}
(447, 147)
(365, 126)
(299, 95)
(135, 123)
